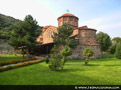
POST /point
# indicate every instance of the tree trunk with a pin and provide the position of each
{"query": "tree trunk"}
(15, 52)
(27, 53)
(23, 52)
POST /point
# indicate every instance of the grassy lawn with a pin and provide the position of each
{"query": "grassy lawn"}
(4, 58)
(105, 71)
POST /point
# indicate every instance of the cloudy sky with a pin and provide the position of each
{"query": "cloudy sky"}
(103, 15)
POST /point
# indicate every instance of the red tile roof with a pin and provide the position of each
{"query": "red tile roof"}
(68, 14)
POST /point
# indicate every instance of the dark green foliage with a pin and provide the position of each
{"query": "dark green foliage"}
(88, 53)
(118, 51)
(24, 34)
(113, 49)
(63, 36)
(55, 63)
(104, 40)
(47, 59)
(64, 41)
(6, 21)
(5, 26)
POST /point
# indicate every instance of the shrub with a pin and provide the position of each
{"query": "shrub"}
(15, 61)
(47, 59)
(65, 53)
(19, 65)
(58, 58)
(88, 53)
(118, 51)
(55, 63)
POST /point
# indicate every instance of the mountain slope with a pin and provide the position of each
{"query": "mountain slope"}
(6, 21)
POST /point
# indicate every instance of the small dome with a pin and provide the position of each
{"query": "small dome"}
(67, 14)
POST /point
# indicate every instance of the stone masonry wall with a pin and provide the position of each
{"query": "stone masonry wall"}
(87, 38)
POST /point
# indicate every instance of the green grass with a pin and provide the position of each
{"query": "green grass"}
(5, 58)
(105, 71)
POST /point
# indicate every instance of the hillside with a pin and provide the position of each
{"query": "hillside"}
(5, 25)
(6, 21)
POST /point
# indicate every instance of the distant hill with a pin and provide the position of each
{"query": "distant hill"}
(5, 31)
(5, 26)
(6, 21)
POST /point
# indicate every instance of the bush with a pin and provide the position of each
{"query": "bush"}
(65, 53)
(55, 63)
(15, 61)
(88, 53)
(19, 65)
(118, 51)
(47, 59)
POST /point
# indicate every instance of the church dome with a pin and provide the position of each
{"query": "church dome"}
(69, 18)
(67, 15)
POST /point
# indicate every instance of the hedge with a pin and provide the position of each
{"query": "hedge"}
(14, 61)
(19, 65)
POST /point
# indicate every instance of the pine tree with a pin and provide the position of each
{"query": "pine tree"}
(64, 41)
(24, 34)
(63, 36)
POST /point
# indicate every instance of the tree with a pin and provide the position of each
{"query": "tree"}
(65, 53)
(55, 63)
(63, 36)
(104, 40)
(113, 49)
(62, 49)
(118, 51)
(88, 53)
(24, 34)
(116, 40)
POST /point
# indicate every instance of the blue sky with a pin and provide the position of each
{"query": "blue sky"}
(103, 15)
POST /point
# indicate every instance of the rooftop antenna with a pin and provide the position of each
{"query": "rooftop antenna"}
(67, 11)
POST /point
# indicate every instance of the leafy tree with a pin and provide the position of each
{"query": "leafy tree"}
(104, 40)
(113, 49)
(116, 40)
(88, 53)
(24, 34)
(118, 51)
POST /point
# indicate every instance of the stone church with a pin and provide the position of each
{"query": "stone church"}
(86, 37)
